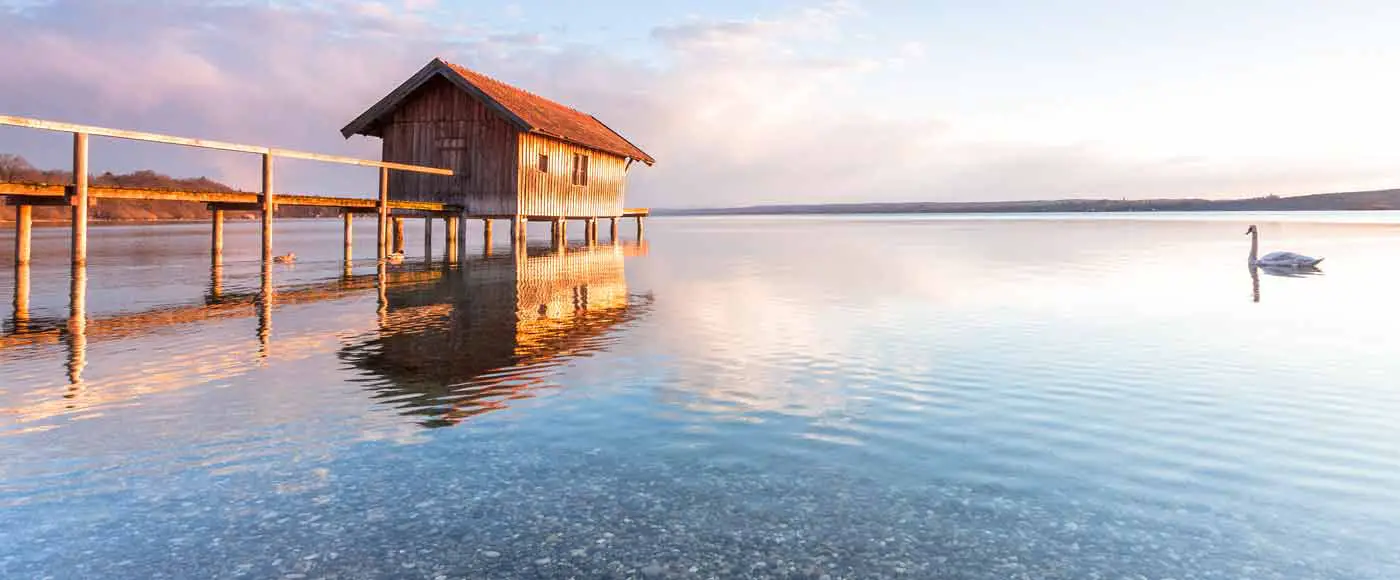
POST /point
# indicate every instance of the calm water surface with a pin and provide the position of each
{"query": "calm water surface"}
(853, 397)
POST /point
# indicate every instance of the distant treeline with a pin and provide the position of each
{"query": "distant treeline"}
(15, 169)
(1388, 199)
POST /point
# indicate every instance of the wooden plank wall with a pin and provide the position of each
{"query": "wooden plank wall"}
(552, 193)
(443, 126)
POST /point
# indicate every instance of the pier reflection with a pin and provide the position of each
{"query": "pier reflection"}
(20, 314)
(447, 341)
(468, 343)
(77, 326)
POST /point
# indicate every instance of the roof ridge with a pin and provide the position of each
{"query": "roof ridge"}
(526, 110)
(509, 85)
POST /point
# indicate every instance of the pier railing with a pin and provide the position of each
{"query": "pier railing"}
(78, 196)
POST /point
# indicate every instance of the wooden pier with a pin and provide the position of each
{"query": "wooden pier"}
(79, 196)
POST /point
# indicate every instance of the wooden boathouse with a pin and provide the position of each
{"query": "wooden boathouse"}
(513, 154)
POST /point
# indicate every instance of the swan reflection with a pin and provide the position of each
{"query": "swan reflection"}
(1281, 272)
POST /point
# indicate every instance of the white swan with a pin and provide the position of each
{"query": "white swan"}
(1276, 259)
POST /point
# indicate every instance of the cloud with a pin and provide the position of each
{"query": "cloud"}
(779, 109)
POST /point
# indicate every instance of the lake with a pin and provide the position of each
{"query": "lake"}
(815, 397)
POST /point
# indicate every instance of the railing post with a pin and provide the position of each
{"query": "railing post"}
(383, 208)
(267, 207)
(80, 198)
(217, 241)
(24, 231)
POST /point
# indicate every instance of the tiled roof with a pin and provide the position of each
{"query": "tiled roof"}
(532, 112)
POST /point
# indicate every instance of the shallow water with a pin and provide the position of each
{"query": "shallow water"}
(854, 397)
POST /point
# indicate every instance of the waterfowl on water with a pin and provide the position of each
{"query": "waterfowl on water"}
(1276, 259)
(287, 258)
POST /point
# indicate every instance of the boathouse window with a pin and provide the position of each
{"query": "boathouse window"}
(580, 169)
(543, 163)
(452, 154)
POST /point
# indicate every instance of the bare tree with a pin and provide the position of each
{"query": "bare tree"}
(15, 168)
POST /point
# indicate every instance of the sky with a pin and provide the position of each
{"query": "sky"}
(759, 102)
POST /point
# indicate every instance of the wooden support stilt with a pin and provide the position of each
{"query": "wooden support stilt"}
(383, 207)
(592, 231)
(453, 237)
(486, 232)
(216, 242)
(398, 235)
(460, 226)
(563, 230)
(349, 240)
(24, 234)
(613, 227)
(428, 239)
(267, 207)
(80, 198)
(641, 228)
(518, 230)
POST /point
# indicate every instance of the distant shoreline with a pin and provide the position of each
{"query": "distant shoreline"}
(1376, 200)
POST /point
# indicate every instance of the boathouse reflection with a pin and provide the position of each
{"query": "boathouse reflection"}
(465, 344)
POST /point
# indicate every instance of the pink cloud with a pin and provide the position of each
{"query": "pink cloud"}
(738, 112)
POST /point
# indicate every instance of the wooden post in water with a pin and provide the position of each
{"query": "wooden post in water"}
(641, 228)
(518, 230)
(486, 232)
(461, 245)
(592, 231)
(267, 207)
(454, 237)
(216, 243)
(428, 238)
(24, 232)
(383, 207)
(613, 227)
(398, 235)
(349, 234)
(80, 198)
